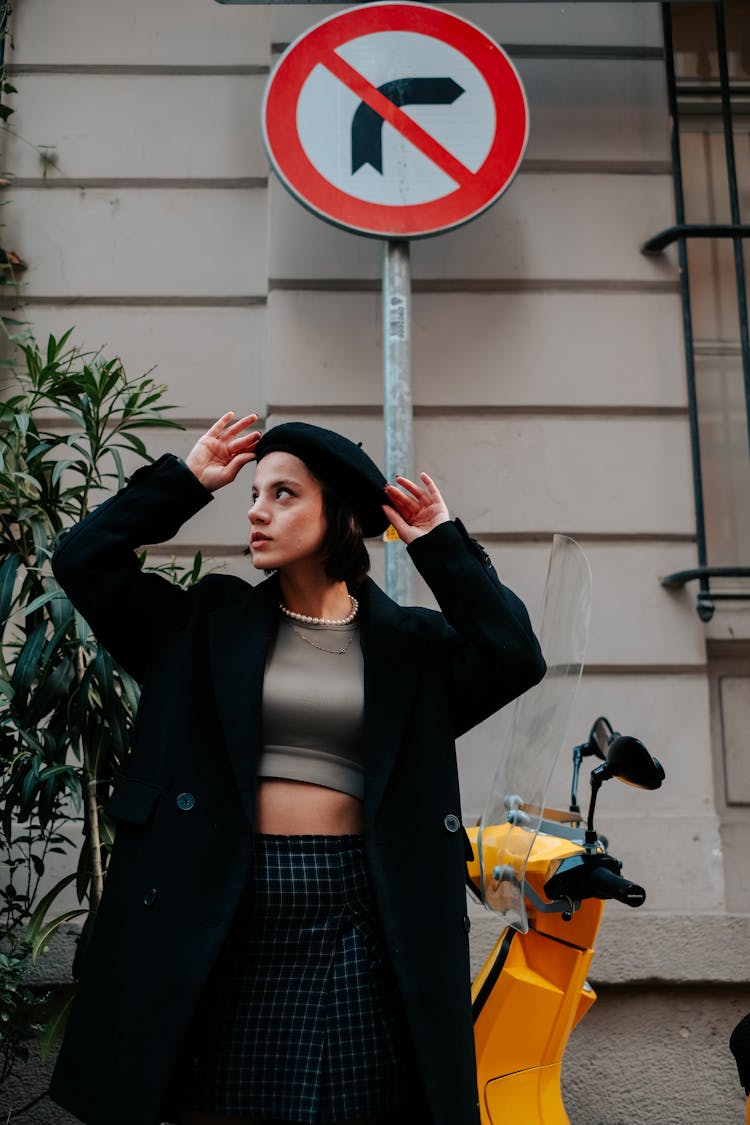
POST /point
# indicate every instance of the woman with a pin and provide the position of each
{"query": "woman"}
(283, 932)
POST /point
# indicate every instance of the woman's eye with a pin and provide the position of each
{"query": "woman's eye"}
(288, 491)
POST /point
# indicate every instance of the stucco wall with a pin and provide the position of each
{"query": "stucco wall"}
(548, 385)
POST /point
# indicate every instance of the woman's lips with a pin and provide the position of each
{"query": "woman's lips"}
(258, 540)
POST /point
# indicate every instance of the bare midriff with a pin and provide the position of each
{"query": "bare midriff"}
(297, 808)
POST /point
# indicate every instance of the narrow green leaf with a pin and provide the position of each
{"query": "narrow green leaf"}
(40, 911)
(28, 660)
(41, 542)
(8, 572)
(29, 479)
(48, 931)
(104, 674)
(136, 444)
(55, 643)
(82, 627)
(60, 609)
(130, 690)
(57, 1018)
(51, 691)
(43, 599)
(59, 469)
(28, 790)
(118, 463)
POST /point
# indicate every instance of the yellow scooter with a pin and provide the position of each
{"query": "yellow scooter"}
(545, 872)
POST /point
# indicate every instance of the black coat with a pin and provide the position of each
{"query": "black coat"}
(180, 862)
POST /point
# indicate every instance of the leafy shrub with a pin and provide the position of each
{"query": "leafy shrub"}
(66, 707)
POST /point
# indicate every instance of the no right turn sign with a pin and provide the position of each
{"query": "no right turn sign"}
(396, 120)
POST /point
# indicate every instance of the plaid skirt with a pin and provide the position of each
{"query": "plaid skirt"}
(301, 1020)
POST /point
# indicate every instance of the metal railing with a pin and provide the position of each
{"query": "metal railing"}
(680, 233)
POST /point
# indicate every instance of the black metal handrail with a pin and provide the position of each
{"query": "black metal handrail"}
(659, 242)
(680, 233)
(707, 597)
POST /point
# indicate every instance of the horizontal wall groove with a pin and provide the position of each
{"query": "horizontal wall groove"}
(601, 167)
(552, 51)
(645, 670)
(581, 51)
(90, 183)
(211, 552)
(28, 300)
(82, 182)
(135, 69)
(717, 348)
(64, 425)
(611, 538)
(483, 410)
(488, 538)
(475, 285)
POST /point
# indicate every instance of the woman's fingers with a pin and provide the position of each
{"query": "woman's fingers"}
(236, 464)
(219, 424)
(243, 444)
(404, 530)
(238, 427)
(411, 487)
(405, 504)
(427, 487)
(222, 427)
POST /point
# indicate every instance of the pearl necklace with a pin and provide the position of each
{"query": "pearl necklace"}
(307, 620)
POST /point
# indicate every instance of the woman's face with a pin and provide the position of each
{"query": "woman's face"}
(287, 524)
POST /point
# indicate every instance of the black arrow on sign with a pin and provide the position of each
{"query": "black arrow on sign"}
(367, 124)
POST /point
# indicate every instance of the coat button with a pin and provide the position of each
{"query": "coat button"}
(452, 823)
(149, 898)
(467, 923)
(185, 801)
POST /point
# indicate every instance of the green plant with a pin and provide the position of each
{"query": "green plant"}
(66, 707)
(21, 1007)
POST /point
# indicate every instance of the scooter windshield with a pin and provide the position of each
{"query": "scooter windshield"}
(539, 731)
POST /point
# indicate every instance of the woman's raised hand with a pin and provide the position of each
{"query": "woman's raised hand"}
(218, 456)
(415, 510)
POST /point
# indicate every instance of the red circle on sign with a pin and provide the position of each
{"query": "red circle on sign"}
(475, 192)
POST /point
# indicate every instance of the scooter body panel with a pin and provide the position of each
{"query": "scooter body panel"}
(528, 997)
(529, 1095)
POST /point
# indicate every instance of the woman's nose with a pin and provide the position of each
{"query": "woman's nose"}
(256, 513)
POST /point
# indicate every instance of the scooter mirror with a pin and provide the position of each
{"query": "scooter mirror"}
(598, 742)
(628, 760)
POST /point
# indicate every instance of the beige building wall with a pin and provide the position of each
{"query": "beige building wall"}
(549, 392)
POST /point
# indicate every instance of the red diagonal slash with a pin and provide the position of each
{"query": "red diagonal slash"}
(396, 117)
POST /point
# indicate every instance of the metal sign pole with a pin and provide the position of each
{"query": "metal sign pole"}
(397, 405)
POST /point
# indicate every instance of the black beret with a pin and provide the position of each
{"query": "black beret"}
(338, 462)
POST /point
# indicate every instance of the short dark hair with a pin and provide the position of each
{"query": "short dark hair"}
(347, 558)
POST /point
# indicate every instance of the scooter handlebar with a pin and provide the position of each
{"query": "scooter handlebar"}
(604, 883)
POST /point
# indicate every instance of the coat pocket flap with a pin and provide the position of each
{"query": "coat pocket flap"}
(133, 801)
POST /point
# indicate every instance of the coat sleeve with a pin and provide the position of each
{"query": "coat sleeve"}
(97, 565)
(493, 651)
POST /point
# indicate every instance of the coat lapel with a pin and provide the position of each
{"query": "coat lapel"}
(392, 656)
(239, 637)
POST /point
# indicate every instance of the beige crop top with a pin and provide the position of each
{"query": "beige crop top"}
(313, 703)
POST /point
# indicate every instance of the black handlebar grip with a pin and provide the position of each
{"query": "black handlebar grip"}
(604, 883)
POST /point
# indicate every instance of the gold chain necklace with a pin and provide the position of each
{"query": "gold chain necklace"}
(330, 651)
